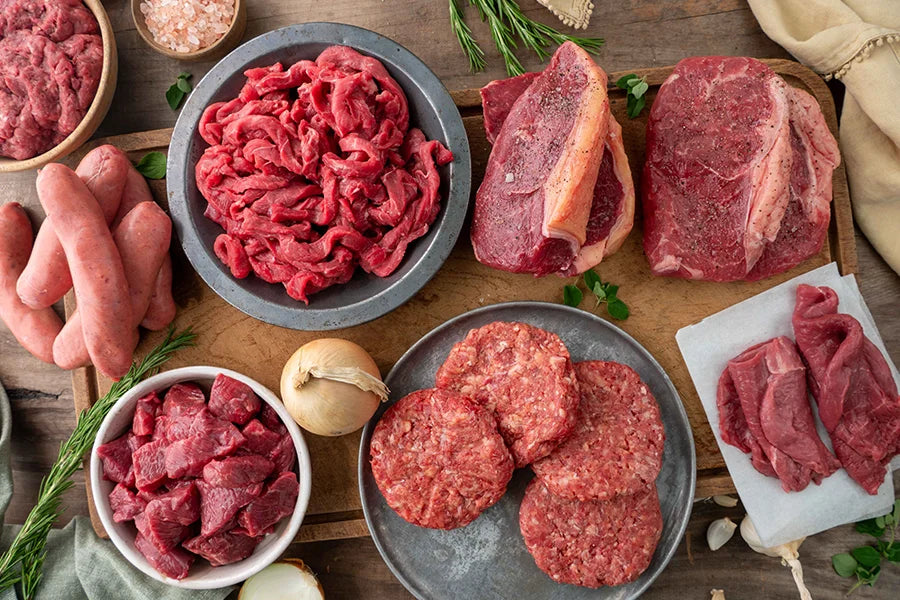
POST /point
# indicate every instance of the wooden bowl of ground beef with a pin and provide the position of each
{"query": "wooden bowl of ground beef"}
(58, 68)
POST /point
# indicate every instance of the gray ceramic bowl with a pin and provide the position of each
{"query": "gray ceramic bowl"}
(365, 297)
(487, 559)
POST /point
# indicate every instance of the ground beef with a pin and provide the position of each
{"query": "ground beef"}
(313, 170)
(591, 544)
(525, 377)
(438, 459)
(617, 444)
(51, 59)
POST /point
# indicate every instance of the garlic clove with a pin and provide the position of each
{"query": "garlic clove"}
(726, 501)
(719, 532)
(717, 594)
(788, 553)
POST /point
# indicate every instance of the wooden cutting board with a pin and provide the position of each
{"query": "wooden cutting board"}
(659, 307)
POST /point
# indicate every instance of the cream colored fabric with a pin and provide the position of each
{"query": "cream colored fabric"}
(575, 13)
(858, 42)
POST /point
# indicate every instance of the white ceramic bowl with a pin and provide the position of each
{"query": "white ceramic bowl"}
(202, 576)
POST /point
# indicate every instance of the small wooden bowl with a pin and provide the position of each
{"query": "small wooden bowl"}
(97, 110)
(217, 49)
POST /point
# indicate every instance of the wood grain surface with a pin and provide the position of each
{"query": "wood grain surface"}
(638, 33)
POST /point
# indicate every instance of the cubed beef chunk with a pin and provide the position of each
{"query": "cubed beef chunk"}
(145, 413)
(163, 534)
(283, 454)
(175, 563)
(218, 506)
(183, 399)
(237, 471)
(277, 502)
(180, 505)
(150, 465)
(116, 458)
(223, 548)
(125, 504)
(270, 419)
(233, 400)
(260, 439)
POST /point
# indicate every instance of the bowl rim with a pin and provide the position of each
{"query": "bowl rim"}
(253, 563)
(238, 21)
(446, 228)
(96, 111)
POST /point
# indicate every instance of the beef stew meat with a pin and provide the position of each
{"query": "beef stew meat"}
(201, 479)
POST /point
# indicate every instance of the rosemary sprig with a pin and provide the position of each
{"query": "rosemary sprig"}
(27, 549)
(507, 23)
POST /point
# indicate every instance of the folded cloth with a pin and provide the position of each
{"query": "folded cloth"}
(575, 13)
(79, 565)
(858, 42)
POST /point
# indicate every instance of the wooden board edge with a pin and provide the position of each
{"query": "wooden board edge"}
(713, 482)
(336, 530)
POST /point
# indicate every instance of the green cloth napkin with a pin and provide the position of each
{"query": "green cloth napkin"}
(80, 565)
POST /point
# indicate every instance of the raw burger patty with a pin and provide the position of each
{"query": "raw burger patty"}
(617, 444)
(524, 376)
(591, 544)
(438, 459)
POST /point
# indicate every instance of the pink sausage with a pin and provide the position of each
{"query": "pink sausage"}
(101, 288)
(143, 239)
(46, 278)
(34, 329)
(161, 311)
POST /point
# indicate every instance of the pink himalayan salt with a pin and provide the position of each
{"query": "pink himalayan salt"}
(187, 25)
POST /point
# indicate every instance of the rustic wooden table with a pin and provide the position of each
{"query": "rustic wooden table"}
(639, 33)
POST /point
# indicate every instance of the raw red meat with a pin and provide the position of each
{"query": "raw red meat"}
(116, 458)
(260, 440)
(237, 471)
(852, 385)
(233, 400)
(271, 420)
(612, 209)
(283, 454)
(764, 411)
(179, 505)
(145, 413)
(183, 399)
(736, 159)
(534, 203)
(223, 548)
(438, 459)
(218, 506)
(591, 544)
(164, 535)
(175, 563)
(524, 376)
(313, 170)
(277, 502)
(150, 465)
(125, 504)
(51, 60)
(617, 445)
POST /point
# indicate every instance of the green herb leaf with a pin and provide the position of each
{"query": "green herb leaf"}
(174, 96)
(152, 165)
(844, 564)
(868, 576)
(640, 89)
(867, 556)
(869, 527)
(572, 296)
(635, 106)
(591, 279)
(599, 291)
(611, 291)
(892, 553)
(183, 85)
(896, 511)
(623, 81)
(617, 309)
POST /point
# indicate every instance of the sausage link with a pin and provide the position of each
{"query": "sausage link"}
(34, 329)
(101, 288)
(162, 309)
(143, 239)
(46, 278)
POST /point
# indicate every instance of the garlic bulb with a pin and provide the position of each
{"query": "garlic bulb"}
(788, 553)
(719, 532)
(289, 579)
(331, 386)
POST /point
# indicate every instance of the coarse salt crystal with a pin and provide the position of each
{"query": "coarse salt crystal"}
(174, 23)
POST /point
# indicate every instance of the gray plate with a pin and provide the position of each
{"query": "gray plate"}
(365, 297)
(487, 559)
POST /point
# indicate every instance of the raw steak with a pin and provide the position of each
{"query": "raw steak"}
(724, 136)
(591, 544)
(533, 206)
(617, 444)
(438, 459)
(612, 208)
(764, 411)
(852, 385)
(524, 376)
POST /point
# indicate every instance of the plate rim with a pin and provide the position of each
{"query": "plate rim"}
(438, 249)
(366, 434)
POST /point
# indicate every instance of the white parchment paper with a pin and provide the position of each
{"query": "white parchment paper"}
(707, 347)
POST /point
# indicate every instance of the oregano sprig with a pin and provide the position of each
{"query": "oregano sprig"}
(178, 90)
(635, 87)
(604, 292)
(864, 562)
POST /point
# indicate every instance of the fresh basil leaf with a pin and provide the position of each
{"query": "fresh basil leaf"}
(617, 309)
(591, 279)
(844, 564)
(152, 165)
(867, 556)
(174, 96)
(640, 89)
(183, 85)
(599, 291)
(623, 81)
(572, 296)
(868, 527)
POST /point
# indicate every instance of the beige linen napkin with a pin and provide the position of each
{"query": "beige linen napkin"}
(575, 13)
(858, 42)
